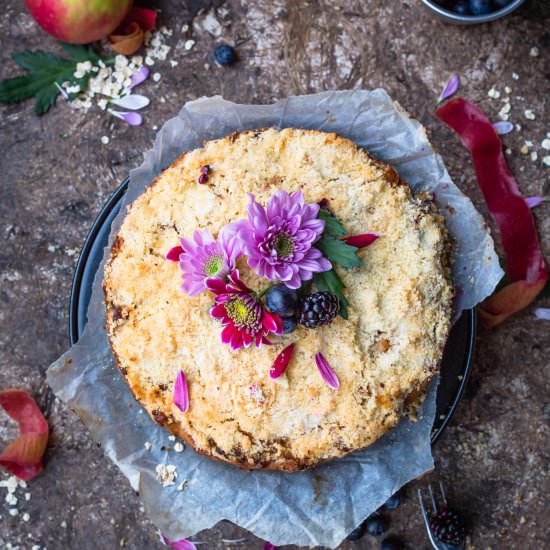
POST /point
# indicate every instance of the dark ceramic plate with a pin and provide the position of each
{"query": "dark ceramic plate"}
(455, 366)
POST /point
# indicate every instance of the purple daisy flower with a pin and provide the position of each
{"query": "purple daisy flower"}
(205, 258)
(279, 240)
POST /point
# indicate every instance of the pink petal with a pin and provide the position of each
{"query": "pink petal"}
(174, 253)
(450, 88)
(327, 373)
(281, 362)
(139, 76)
(534, 201)
(216, 285)
(133, 102)
(360, 241)
(543, 313)
(181, 392)
(182, 544)
(133, 119)
(227, 334)
(269, 546)
(503, 127)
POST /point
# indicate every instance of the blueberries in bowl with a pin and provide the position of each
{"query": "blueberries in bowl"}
(474, 7)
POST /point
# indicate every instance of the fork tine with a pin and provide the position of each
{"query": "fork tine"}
(443, 495)
(422, 505)
(434, 503)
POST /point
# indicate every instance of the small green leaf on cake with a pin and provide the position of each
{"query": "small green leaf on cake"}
(338, 251)
(333, 226)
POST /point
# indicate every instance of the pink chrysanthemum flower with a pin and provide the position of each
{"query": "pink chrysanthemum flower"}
(243, 316)
(279, 240)
(205, 258)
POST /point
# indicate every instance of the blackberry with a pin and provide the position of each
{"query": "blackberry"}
(318, 309)
(447, 527)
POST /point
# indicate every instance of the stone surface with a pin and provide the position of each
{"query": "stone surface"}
(56, 174)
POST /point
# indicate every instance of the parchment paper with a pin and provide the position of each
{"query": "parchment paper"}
(317, 507)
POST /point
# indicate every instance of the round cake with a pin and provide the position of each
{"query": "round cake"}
(380, 358)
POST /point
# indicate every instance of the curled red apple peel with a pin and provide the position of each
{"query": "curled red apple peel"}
(23, 457)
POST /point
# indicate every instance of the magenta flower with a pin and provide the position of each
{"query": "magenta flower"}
(244, 318)
(205, 258)
(279, 240)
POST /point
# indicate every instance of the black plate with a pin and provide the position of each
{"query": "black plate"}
(455, 366)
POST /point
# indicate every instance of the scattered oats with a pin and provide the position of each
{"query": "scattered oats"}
(546, 160)
(529, 114)
(101, 64)
(162, 100)
(149, 61)
(27, 496)
(534, 52)
(178, 447)
(51, 248)
(184, 27)
(26, 516)
(507, 89)
(10, 484)
(64, 524)
(102, 104)
(528, 142)
(207, 66)
(518, 127)
(522, 519)
(156, 77)
(189, 44)
(13, 512)
(545, 144)
(11, 499)
(155, 127)
(35, 547)
(105, 140)
(173, 63)
(515, 76)
(524, 150)
(148, 445)
(460, 377)
(508, 151)
(534, 156)
(172, 438)
(494, 94)
(166, 474)
(505, 110)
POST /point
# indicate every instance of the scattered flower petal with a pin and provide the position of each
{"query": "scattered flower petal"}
(503, 127)
(133, 119)
(543, 313)
(532, 202)
(182, 544)
(246, 322)
(139, 76)
(146, 18)
(360, 241)
(174, 253)
(329, 376)
(450, 88)
(23, 457)
(133, 102)
(281, 362)
(269, 546)
(181, 392)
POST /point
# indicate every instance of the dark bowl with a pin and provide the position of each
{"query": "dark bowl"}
(457, 19)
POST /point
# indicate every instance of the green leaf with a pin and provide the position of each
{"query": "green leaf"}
(18, 88)
(45, 99)
(338, 251)
(80, 53)
(331, 282)
(41, 62)
(333, 226)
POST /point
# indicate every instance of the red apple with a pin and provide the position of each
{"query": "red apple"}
(79, 21)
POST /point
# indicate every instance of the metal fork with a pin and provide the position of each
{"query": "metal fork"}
(438, 545)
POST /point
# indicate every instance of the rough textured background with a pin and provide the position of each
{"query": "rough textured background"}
(55, 175)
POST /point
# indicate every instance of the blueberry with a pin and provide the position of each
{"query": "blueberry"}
(225, 54)
(282, 300)
(376, 525)
(393, 502)
(499, 4)
(357, 533)
(390, 544)
(289, 324)
(480, 7)
(462, 8)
